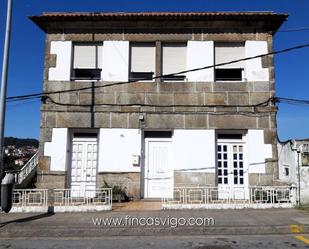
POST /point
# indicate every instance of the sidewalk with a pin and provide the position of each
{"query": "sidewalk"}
(227, 222)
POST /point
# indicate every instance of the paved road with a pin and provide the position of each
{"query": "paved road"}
(195, 242)
(271, 228)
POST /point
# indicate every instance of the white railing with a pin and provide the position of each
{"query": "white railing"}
(230, 197)
(29, 200)
(61, 200)
(28, 167)
(21, 175)
(77, 200)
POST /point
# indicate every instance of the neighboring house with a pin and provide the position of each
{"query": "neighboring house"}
(21, 161)
(215, 126)
(294, 166)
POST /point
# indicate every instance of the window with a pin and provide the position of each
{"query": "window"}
(174, 56)
(87, 62)
(142, 64)
(286, 170)
(226, 52)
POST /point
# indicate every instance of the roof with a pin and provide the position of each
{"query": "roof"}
(43, 21)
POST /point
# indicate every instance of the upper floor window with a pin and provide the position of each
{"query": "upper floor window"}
(226, 52)
(174, 57)
(142, 61)
(87, 61)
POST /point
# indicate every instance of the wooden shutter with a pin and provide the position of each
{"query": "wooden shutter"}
(225, 52)
(174, 58)
(143, 57)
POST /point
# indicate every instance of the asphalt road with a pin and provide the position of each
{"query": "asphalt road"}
(179, 242)
(233, 229)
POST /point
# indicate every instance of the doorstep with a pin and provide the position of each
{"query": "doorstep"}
(137, 205)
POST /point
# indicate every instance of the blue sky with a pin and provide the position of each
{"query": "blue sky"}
(27, 53)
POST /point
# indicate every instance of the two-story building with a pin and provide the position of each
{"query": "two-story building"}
(116, 112)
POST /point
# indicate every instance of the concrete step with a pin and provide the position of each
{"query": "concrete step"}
(138, 205)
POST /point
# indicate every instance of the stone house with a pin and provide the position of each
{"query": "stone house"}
(293, 158)
(215, 126)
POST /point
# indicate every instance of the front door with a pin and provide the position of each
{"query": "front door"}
(84, 166)
(159, 179)
(231, 171)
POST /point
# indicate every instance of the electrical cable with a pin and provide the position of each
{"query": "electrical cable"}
(16, 98)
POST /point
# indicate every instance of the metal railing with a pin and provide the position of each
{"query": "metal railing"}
(61, 200)
(21, 175)
(95, 197)
(30, 198)
(28, 168)
(217, 196)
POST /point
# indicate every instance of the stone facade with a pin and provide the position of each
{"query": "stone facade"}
(164, 105)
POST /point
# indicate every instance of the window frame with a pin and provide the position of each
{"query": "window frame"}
(144, 76)
(242, 70)
(96, 72)
(178, 77)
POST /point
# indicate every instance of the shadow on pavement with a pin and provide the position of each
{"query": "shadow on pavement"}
(31, 218)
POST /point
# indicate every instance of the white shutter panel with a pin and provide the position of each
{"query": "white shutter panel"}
(174, 58)
(84, 56)
(143, 58)
(226, 52)
(115, 53)
(99, 53)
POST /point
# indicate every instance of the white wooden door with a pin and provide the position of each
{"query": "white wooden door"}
(84, 167)
(232, 172)
(159, 180)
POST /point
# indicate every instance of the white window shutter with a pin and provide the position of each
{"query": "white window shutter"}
(99, 53)
(226, 52)
(200, 54)
(115, 61)
(174, 58)
(254, 69)
(143, 57)
(62, 70)
(84, 56)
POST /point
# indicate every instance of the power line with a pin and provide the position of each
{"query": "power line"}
(291, 101)
(35, 95)
(265, 103)
(295, 29)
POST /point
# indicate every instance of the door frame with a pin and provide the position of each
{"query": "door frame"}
(145, 163)
(84, 132)
(230, 141)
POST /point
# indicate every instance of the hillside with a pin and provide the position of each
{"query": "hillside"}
(20, 142)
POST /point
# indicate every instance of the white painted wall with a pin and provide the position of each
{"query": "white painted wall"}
(57, 149)
(200, 54)
(257, 151)
(63, 51)
(254, 70)
(194, 150)
(116, 148)
(115, 66)
(289, 157)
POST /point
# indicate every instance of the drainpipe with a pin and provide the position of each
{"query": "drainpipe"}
(299, 150)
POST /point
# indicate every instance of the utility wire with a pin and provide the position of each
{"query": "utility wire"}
(291, 101)
(20, 97)
(265, 103)
(294, 29)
